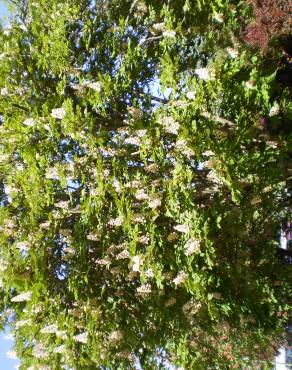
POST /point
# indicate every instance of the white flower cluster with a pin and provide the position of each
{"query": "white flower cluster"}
(144, 239)
(169, 33)
(191, 95)
(136, 263)
(182, 228)
(45, 225)
(139, 218)
(62, 205)
(179, 280)
(157, 28)
(52, 173)
(96, 86)
(40, 352)
(191, 246)
(58, 113)
(30, 122)
(81, 338)
(22, 297)
(21, 323)
(154, 201)
(115, 336)
(24, 246)
(133, 140)
(60, 349)
(205, 74)
(170, 125)
(49, 329)
(116, 221)
(102, 261)
(93, 236)
(144, 289)
(274, 110)
(123, 255)
(141, 195)
(233, 53)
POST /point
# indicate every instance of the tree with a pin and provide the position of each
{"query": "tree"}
(145, 153)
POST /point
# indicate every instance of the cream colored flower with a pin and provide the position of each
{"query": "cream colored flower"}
(179, 280)
(22, 297)
(81, 338)
(182, 228)
(58, 113)
(205, 74)
(144, 289)
(30, 122)
(192, 246)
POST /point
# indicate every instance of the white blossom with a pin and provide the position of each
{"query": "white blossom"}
(182, 228)
(143, 239)
(154, 202)
(141, 195)
(133, 140)
(218, 17)
(22, 246)
(30, 122)
(149, 273)
(62, 205)
(49, 329)
(157, 28)
(116, 221)
(21, 323)
(250, 84)
(102, 261)
(136, 263)
(208, 153)
(139, 218)
(170, 33)
(205, 74)
(192, 246)
(179, 280)
(117, 186)
(58, 113)
(93, 236)
(115, 336)
(191, 95)
(22, 297)
(60, 349)
(82, 337)
(274, 110)
(170, 125)
(141, 133)
(123, 255)
(45, 225)
(52, 173)
(40, 352)
(144, 289)
(152, 168)
(96, 86)
(233, 53)
(4, 91)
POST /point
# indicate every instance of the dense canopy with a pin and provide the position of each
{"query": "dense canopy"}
(144, 177)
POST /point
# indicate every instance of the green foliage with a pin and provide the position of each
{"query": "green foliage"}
(142, 187)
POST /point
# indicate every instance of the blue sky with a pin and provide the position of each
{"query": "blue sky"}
(5, 345)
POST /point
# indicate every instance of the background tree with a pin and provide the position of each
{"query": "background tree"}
(145, 172)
